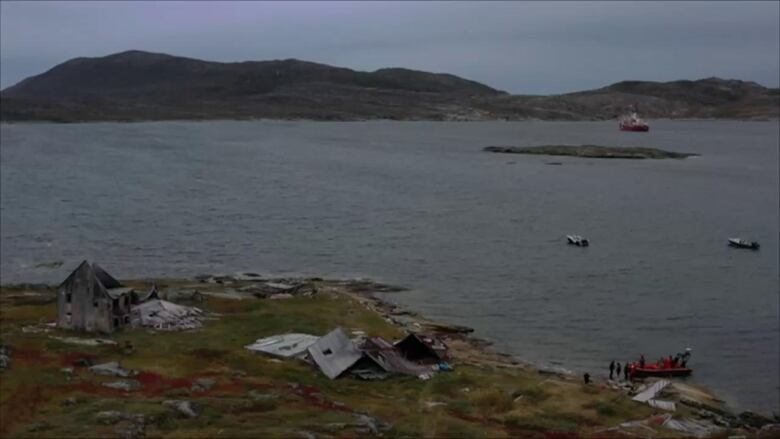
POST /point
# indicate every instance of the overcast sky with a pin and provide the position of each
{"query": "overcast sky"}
(520, 47)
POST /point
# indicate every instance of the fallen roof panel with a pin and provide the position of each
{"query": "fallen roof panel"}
(334, 353)
(284, 345)
(651, 391)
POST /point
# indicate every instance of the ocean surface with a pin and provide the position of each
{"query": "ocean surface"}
(477, 237)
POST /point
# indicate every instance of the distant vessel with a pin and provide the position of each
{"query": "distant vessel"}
(577, 240)
(743, 243)
(631, 122)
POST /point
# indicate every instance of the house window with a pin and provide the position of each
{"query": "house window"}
(116, 322)
(68, 318)
(127, 319)
(327, 352)
(68, 297)
(95, 303)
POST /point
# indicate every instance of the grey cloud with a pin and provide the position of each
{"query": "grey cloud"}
(522, 47)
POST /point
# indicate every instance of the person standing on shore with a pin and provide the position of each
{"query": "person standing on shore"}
(625, 371)
(586, 377)
(611, 369)
(617, 369)
(642, 360)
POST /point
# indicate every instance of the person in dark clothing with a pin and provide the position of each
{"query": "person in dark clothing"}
(625, 371)
(611, 369)
(586, 377)
(617, 369)
(642, 360)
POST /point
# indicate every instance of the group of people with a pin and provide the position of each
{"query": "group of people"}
(615, 367)
(680, 360)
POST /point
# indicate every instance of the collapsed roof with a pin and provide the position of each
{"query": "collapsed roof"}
(422, 348)
(390, 359)
(163, 315)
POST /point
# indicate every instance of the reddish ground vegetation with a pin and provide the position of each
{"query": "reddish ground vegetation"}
(21, 407)
(314, 397)
(29, 356)
(155, 384)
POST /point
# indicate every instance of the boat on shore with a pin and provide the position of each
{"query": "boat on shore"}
(577, 240)
(676, 366)
(743, 243)
(651, 370)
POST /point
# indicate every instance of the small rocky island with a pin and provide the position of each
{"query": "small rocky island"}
(591, 151)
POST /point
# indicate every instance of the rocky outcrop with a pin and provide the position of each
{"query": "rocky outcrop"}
(591, 151)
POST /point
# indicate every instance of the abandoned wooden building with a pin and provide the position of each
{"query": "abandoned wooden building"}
(92, 300)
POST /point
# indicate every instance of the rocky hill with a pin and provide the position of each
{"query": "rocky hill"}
(138, 85)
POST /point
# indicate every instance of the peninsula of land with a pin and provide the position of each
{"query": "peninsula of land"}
(591, 151)
(140, 86)
(203, 380)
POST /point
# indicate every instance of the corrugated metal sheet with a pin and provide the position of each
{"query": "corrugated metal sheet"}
(666, 405)
(284, 345)
(651, 391)
(334, 353)
(163, 315)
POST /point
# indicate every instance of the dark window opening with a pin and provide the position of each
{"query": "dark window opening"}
(95, 303)
(68, 298)
(127, 319)
(327, 352)
(116, 322)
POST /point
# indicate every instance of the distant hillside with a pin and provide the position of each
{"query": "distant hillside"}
(704, 98)
(137, 85)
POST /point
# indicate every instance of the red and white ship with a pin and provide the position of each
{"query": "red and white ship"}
(632, 122)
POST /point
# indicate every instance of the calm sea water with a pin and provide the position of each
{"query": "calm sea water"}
(478, 237)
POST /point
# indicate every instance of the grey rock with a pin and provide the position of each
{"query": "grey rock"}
(257, 396)
(5, 357)
(202, 384)
(109, 417)
(183, 407)
(130, 431)
(126, 385)
(374, 425)
(754, 420)
(69, 401)
(112, 369)
(769, 431)
(335, 426)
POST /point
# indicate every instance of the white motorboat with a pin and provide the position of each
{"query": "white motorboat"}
(577, 240)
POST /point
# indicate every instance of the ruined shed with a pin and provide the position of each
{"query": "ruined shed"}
(390, 359)
(90, 299)
(423, 349)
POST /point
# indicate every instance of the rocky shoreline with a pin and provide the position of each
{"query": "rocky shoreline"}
(591, 151)
(488, 391)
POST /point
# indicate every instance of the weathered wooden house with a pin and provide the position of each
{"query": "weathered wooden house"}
(92, 300)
